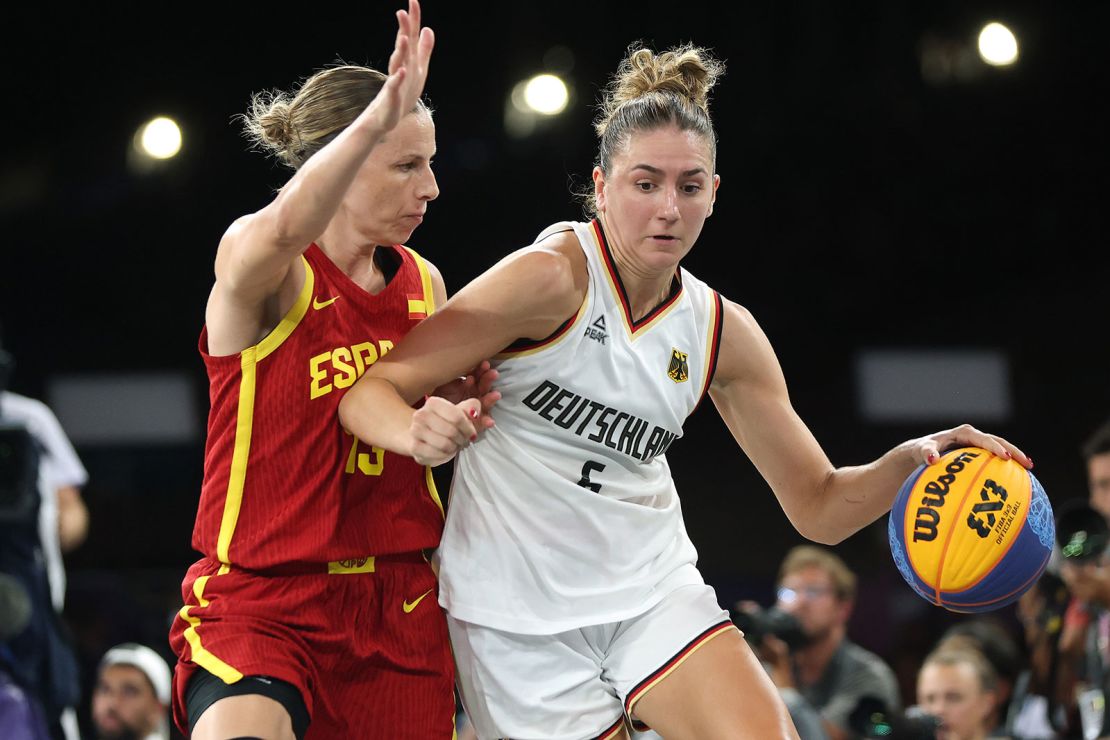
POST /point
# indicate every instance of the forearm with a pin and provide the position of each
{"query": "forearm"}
(374, 412)
(73, 518)
(853, 497)
(308, 202)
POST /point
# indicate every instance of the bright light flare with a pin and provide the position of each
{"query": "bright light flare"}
(160, 138)
(546, 94)
(997, 45)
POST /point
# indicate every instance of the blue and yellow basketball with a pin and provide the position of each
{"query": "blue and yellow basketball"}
(971, 532)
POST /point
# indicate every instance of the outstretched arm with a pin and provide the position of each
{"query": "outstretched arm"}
(824, 503)
(258, 250)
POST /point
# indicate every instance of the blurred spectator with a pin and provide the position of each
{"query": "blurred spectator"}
(41, 512)
(825, 676)
(131, 699)
(994, 643)
(21, 716)
(1084, 644)
(1096, 453)
(957, 686)
(1039, 708)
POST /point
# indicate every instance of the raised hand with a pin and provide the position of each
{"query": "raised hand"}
(408, 70)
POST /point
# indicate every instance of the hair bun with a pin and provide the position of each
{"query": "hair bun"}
(687, 71)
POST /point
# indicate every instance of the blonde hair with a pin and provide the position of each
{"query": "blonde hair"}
(294, 126)
(809, 556)
(956, 651)
(650, 91)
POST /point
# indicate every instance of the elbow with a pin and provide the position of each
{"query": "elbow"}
(821, 534)
(828, 538)
(818, 521)
(287, 224)
(347, 406)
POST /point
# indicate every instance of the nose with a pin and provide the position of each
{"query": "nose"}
(428, 188)
(668, 210)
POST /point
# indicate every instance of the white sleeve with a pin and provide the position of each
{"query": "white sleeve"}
(65, 467)
(60, 463)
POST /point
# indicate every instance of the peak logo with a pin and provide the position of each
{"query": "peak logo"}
(597, 330)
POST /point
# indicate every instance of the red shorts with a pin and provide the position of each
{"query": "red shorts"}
(368, 650)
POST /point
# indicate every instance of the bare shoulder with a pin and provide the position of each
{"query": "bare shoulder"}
(530, 292)
(745, 352)
(233, 235)
(560, 259)
(549, 276)
(739, 320)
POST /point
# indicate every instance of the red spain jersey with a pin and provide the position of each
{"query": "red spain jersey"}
(284, 483)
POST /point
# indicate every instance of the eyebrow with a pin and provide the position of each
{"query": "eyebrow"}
(657, 171)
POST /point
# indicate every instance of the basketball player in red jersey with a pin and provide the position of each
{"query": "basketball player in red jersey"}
(312, 612)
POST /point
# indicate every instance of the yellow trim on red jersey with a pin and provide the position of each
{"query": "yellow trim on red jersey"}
(199, 653)
(429, 306)
(237, 479)
(244, 422)
(289, 322)
(432, 488)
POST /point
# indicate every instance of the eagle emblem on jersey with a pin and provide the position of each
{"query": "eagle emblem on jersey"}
(678, 371)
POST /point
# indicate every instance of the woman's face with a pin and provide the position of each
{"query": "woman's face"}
(390, 193)
(656, 196)
(955, 694)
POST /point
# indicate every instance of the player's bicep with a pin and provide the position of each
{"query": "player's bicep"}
(749, 390)
(253, 260)
(527, 295)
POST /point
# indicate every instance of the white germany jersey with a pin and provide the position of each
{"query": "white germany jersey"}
(564, 514)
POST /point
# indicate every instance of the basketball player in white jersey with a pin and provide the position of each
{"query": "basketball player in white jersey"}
(569, 580)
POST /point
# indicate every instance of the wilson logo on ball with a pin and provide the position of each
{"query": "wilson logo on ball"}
(925, 526)
(971, 532)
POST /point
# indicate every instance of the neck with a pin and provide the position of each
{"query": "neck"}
(646, 286)
(352, 255)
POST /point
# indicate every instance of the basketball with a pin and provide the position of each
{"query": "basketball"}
(971, 532)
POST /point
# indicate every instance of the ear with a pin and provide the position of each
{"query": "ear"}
(713, 199)
(990, 703)
(599, 189)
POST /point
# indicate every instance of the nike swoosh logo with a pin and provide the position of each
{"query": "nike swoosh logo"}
(318, 304)
(409, 606)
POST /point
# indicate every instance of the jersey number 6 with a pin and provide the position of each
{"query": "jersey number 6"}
(591, 467)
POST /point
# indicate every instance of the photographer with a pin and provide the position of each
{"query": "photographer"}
(1083, 647)
(821, 675)
(41, 512)
(1084, 650)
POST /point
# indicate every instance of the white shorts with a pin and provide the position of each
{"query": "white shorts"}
(581, 683)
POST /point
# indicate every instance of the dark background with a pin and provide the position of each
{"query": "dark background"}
(864, 204)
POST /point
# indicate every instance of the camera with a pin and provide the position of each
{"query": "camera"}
(872, 719)
(1081, 533)
(772, 621)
